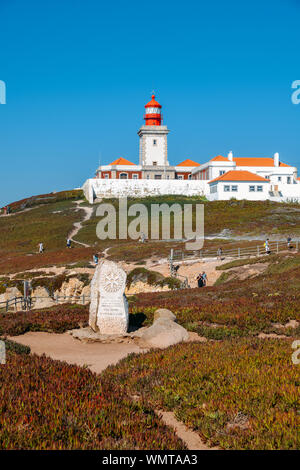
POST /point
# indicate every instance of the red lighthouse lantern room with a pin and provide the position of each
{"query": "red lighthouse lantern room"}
(153, 115)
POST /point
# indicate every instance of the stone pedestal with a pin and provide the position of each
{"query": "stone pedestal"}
(109, 306)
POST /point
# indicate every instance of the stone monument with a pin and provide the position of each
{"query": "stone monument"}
(109, 306)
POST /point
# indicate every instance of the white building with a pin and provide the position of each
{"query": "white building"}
(270, 178)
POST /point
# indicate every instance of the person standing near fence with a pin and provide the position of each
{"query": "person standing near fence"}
(267, 246)
(69, 242)
(41, 247)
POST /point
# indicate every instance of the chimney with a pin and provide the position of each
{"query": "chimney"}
(276, 159)
(230, 156)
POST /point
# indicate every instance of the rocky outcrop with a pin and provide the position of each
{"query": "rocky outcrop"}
(43, 300)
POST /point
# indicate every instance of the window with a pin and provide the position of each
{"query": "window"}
(279, 178)
(234, 188)
(213, 188)
(154, 141)
(226, 189)
(157, 177)
(179, 177)
(154, 163)
(123, 176)
(221, 172)
(148, 177)
(251, 189)
(259, 188)
(190, 177)
(106, 176)
(135, 176)
(288, 180)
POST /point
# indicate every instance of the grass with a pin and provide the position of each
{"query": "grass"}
(237, 394)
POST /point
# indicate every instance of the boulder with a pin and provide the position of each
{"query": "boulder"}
(163, 333)
(165, 314)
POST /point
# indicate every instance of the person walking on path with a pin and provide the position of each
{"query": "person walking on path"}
(96, 258)
(219, 253)
(41, 247)
(204, 278)
(289, 240)
(69, 242)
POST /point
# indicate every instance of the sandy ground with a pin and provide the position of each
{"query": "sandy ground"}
(189, 269)
(64, 347)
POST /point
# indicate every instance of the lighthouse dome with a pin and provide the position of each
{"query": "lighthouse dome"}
(153, 103)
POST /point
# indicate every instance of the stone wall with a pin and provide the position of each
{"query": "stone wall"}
(101, 188)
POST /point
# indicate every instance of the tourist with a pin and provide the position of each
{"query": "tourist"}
(69, 243)
(41, 247)
(219, 253)
(204, 277)
(289, 243)
(199, 279)
(267, 246)
(95, 258)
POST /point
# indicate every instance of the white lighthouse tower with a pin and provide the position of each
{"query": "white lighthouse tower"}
(153, 154)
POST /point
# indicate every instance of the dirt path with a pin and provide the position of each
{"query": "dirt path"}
(78, 225)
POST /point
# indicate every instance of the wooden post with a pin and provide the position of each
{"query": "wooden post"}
(258, 251)
(277, 247)
(239, 252)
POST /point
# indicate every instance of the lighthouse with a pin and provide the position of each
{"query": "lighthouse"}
(153, 153)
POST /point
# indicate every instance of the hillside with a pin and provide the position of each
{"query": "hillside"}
(50, 218)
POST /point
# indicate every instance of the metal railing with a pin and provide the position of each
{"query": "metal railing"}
(236, 252)
(26, 303)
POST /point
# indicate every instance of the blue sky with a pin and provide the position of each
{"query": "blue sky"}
(78, 74)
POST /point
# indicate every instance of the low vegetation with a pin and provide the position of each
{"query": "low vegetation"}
(56, 406)
(237, 394)
(153, 278)
(56, 319)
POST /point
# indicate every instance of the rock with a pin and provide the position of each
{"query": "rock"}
(164, 313)
(10, 293)
(162, 334)
(140, 287)
(44, 301)
(109, 306)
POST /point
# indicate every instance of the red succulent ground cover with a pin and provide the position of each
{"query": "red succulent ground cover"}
(55, 319)
(46, 404)
(240, 307)
(237, 394)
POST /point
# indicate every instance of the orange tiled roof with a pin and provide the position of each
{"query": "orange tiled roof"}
(236, 175)
(219, 158)
(256, 161)
(122, 161)
(188, 162)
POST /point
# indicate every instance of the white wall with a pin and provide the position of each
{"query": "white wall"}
(241, 193)
(102, 188)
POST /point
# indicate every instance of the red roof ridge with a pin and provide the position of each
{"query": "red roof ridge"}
(188, 162)
(121, 161)
(239, 175)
